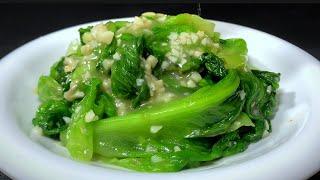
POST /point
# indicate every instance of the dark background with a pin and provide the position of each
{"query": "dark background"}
(297, 23)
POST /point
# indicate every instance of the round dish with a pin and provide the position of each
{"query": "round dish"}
(289, 152)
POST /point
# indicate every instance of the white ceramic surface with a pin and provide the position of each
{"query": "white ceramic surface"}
(291, 151)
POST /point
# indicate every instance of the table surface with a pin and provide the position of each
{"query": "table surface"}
(298, 24)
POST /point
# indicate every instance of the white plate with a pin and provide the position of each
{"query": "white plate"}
(290, 152)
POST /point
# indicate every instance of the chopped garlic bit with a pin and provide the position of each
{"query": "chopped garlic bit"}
(105, 37)
(140, 24)
(156, 159)
(266, 131)
(98, 34)
(183, 83)
(269, 89)
(191, 84)
(206, 41)
(166, 97)
(176, 148)
(161, 17)
(139, 82)
(106, 85)
(86, 49)
(116, 56)
(98, 29)
(157, 89)
(179, 43)
(70, 64)
(150, 148)
(66, 119)
(242, 94)
(90, 116)
(197, 53)
(123, 106)
(156, 86)
(165, 65)
(151, 62)
(36, 131)
(195, 76)
(200, 34)
(107, 64)
(155, 129)
(73, 93)
(87, 37)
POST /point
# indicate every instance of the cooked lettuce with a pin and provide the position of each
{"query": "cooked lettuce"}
(49, 89)
(79, 140)
(127, 70)
(195, 101)
(234, 52)
(49, 117)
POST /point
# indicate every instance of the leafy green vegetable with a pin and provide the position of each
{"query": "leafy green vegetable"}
(225, 117)
(143, 94)
(201, 102)
(85, 71)
(105, 51)
(271, 83)
(193, 64)
(162, 164)
(79, 140)
(205, 81)
(124, 72)
(105, 107)
(173, 84)
(49, 117)
(157, 43)
(261, 100)
(233, 52)
(49, 89)
(214, 65)
(242, 120)
(118, 135)
(269, 78)
(57, 73)
(193, 21)
(256, 133)
(228, 145)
